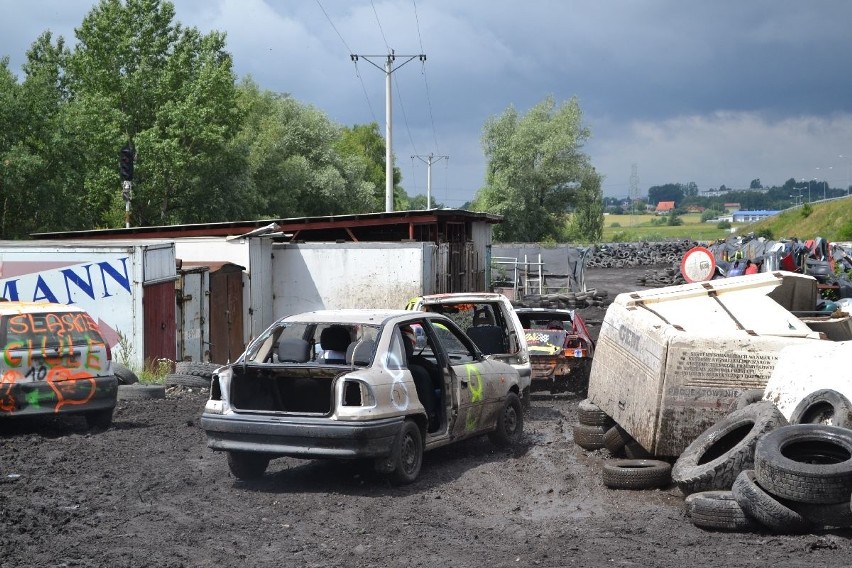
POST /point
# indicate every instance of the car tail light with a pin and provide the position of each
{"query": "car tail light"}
(356, 393)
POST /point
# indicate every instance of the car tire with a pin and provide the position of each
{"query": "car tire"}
(408, 454)
(247, 465)
(719, 510)
(824, 406)
(809, 463)
(510, 423)
(615, 440)
(124, 375)
(99, 419)
(717, 456)
(199, 369)
(589, 437)
(192, 381)
(141, 392)
(747, 397)
(590, 414)
(766, 508)
(636, 474)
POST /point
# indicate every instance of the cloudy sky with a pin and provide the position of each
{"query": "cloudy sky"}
(676, 91)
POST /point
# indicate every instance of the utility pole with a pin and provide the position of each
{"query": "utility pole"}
(429, 160)
(388, 69)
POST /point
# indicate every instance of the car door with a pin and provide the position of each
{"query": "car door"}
(471, 385)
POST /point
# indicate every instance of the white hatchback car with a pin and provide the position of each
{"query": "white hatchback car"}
(359, 384)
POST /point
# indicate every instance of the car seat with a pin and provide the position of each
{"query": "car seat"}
(293, 350)
(334, 341)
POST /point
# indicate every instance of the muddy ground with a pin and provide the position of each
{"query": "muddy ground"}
(148, 492)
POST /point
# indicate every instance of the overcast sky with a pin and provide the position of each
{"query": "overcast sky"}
(715, 92)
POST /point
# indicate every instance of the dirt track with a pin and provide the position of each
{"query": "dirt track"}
(147, 492)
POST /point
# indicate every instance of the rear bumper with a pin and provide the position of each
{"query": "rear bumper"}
(301, 436)
(57, 396)
(567, 373)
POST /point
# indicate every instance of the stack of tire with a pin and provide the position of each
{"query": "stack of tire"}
(597, 430)
(191, 374)
(754, 471)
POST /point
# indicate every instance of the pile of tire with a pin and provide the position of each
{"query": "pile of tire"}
(191, 374)
(635, 470)
(753, 471)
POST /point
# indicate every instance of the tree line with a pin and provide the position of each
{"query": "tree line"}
(208, 147)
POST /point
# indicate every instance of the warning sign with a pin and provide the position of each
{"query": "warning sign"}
(698, 265)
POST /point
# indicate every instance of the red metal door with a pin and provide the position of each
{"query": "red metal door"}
(158, 301)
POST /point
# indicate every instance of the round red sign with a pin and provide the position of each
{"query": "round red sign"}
(698, 265)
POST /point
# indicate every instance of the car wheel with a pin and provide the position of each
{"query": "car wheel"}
(124, 375)
(247, 465)
(99, 419)
(510, 423)
(408, 454)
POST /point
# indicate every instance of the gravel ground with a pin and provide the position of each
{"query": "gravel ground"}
(148, 492)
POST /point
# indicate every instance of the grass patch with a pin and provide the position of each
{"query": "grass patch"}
(650, 227)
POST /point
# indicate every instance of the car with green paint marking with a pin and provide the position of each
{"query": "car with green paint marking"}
(55, 361)
(385, 385)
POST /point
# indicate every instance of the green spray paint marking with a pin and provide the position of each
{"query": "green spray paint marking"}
(476, 386)
(475, 391)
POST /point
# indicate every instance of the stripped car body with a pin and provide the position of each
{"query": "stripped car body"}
(490, 321)
(560, 346)
(54, 362)
(348, 384)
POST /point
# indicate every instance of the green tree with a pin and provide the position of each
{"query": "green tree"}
(298, 163)
(137, 76)
(667, 192)
(535, 169)
(365, 142)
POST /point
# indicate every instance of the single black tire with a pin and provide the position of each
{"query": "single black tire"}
(99, 419)
(526, 401)
(716, 457)
(765, 508)
(192, 381)
(747, 397)
(809, 463)
(615, 439)
(124, 375)
(637, 474)
(510, 423)
(824, 406)
(408, 454)
(141, 392)
(590, 414)
(199, 369)
(589, 437)
(247, 465)
(718, 510)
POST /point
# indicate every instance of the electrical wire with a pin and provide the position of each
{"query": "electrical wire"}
(357, 71)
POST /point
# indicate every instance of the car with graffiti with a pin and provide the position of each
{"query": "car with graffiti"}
(55, 361)
(561, 349)
(490, 321)
(358, 384)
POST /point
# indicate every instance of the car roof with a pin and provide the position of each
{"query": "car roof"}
(353, 316)
(544, 311)
(462, 297)
(10, 308)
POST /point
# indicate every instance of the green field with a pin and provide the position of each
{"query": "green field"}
(636, 227)
(831, 220)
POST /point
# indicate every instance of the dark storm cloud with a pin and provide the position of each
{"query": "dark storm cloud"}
(712, 92)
